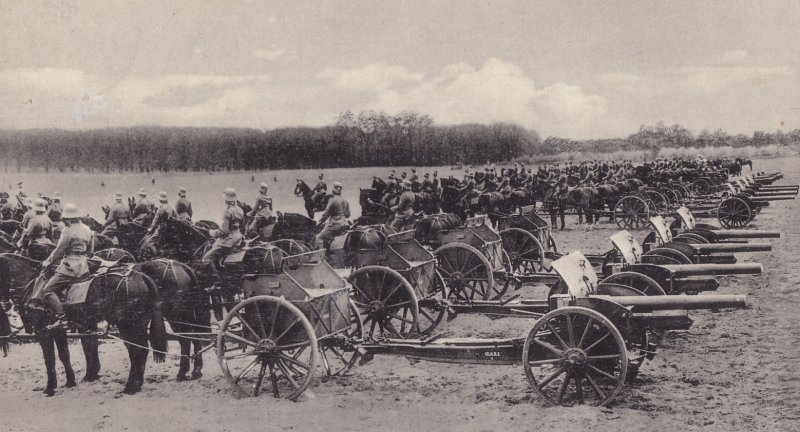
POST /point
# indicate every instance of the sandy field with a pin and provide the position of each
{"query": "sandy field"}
(733, 371)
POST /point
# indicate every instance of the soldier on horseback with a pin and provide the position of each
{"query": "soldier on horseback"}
(319, 190)
(165, 210)
(117, 214)
(390, 190)
(404, 208)
(183, 206)
(144, 207)
(229, 233)
(262, 211)
(40, 228)
(72, 252)
(335, 215)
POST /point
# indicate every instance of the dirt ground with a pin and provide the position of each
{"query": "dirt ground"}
(734, 370)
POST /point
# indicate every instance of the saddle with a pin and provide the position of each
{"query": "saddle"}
(75, 294)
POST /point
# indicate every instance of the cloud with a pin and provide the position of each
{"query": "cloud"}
(372, 77)
(497, 91)
(57, 82)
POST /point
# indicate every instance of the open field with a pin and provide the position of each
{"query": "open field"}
(734, 370)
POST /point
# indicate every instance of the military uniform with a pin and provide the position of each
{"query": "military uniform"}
(403, 210)
(165, 210)
(229, 233)
(184, 208)
(261, 213)
(26, 218)
(118, 213)
(40, 230)
(335, 216)
(75, 245)
(143, 209)
(319, 190)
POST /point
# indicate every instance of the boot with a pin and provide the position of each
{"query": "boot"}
(60, 324)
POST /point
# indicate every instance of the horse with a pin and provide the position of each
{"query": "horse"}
(185, 305)
(174, 238)
(121, 296)
(302, 189)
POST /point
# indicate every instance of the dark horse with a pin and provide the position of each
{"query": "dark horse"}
(185, 306)
(312, 206)
(121, 296)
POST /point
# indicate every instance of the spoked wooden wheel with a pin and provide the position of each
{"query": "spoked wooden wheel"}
(431, 307)
(336, 359)
(266, 345)
(467, 272)
(640, 282)
(575, 356)
(701, 187)
(631, 212)
(524, 250)
(660, 202)
(386, 302)
(292, 247)
(734, 212)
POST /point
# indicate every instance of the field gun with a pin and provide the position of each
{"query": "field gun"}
(667, 267)
(685, 222)
(695, 248)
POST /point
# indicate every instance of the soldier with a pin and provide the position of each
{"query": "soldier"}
(118, 213)
(55, 209)
(7, 207)
(435, 182)
(414, 176)
(165, 210)
(28, 214)
(183, 206)
(391, 188)
(319, 190)
(427, 185)
(505, 187)
(229, 233)
(40, 228)
(404, 208)
(75, 245)
(262, 210)
(143, 208)
(335, 215)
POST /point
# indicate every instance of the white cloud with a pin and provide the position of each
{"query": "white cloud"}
(59, 82)
(497, 91)
(372, 77)
(715, 79)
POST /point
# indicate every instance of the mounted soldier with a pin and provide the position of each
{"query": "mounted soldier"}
(334, 219)
(404, 209)
(229, 234)
(72, 252)
(390, 191)
(144, 208)
(319, 190)
(29, 213)
(262, 211)
(55, 209)
(165, 210)
(183, 206)
(117, 214)
(40, 228)
(427, 185)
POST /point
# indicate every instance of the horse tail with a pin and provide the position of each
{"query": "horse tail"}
(5, 330)
(158, 330)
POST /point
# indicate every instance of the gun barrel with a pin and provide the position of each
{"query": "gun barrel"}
(684, 270)
(708, 248)
(687, 302)
(746, 234)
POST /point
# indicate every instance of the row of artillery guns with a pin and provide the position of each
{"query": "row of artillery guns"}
(599, 322)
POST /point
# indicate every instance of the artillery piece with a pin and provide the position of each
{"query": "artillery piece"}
(578, 351)
(685, 223)
(692, 248)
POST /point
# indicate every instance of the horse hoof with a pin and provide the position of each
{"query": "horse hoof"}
(181, 378)
(130, 391)
(70, 384)
(197, 375)
(90, 378)
(49, 392)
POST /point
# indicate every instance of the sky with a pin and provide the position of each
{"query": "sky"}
(574, 69)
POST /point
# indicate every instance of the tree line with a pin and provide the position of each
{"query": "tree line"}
(355, 140)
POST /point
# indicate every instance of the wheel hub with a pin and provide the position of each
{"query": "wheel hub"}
(266, 346)
(374, 307)
(514, 256)
(575, 356)
(456, 277)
